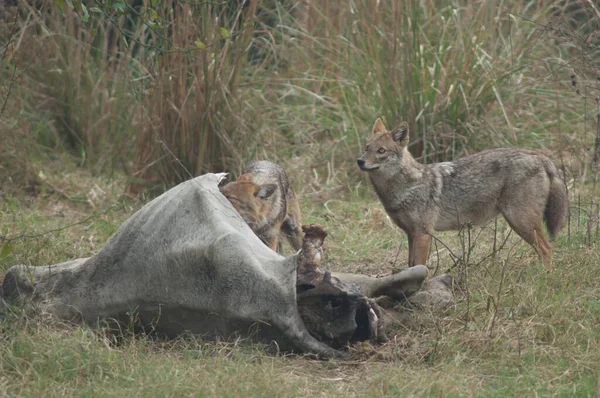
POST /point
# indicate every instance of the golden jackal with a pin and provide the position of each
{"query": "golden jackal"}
(521, 184)
(263, 197)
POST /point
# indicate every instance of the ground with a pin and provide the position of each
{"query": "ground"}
(515, 329)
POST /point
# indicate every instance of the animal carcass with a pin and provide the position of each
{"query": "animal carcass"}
(187, 261)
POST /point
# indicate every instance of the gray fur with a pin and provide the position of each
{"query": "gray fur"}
(186, 258)
(436, 293)
(187, 261)
(521, 184)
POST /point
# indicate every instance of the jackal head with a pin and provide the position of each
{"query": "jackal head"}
(383, 146)
(250, 199)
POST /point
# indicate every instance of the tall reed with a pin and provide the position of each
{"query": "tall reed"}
(77, 83)
(439, 66)
(196, 116)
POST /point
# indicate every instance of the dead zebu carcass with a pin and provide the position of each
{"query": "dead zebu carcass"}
(187, 261)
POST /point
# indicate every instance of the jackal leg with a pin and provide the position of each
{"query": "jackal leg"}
(418, 249)
(292, 225)
(293, 232)
(532, 232)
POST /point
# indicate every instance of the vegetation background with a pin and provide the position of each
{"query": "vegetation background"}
(105, 104)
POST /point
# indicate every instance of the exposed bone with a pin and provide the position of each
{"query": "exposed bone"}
(221, 177)
(373, 323)
(312, 248)
(397, 286)
(312, 281)
(187, 261)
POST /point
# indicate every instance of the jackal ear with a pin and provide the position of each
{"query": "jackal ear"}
(400, 133)
(379, 127)
(265, 191)
(247, 177)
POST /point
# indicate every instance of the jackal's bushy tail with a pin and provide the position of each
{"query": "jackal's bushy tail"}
(557, 205)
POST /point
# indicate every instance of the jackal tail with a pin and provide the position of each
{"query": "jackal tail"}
(557, 205)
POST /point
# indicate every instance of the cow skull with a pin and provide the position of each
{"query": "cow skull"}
(334, 312)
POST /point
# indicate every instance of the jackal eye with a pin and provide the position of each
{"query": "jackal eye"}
(381, 150)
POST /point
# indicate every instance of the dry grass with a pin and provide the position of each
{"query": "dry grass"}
(86, 119)
(168, 91)
(70, 94)
(515, 330)
(197, 118)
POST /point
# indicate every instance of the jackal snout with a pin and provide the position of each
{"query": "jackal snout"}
(364, 166)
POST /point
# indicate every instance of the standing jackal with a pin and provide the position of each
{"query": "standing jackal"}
(521, 184)
(266, 201)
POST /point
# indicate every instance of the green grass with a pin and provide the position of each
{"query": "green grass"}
(304, 88)
(514, 331)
